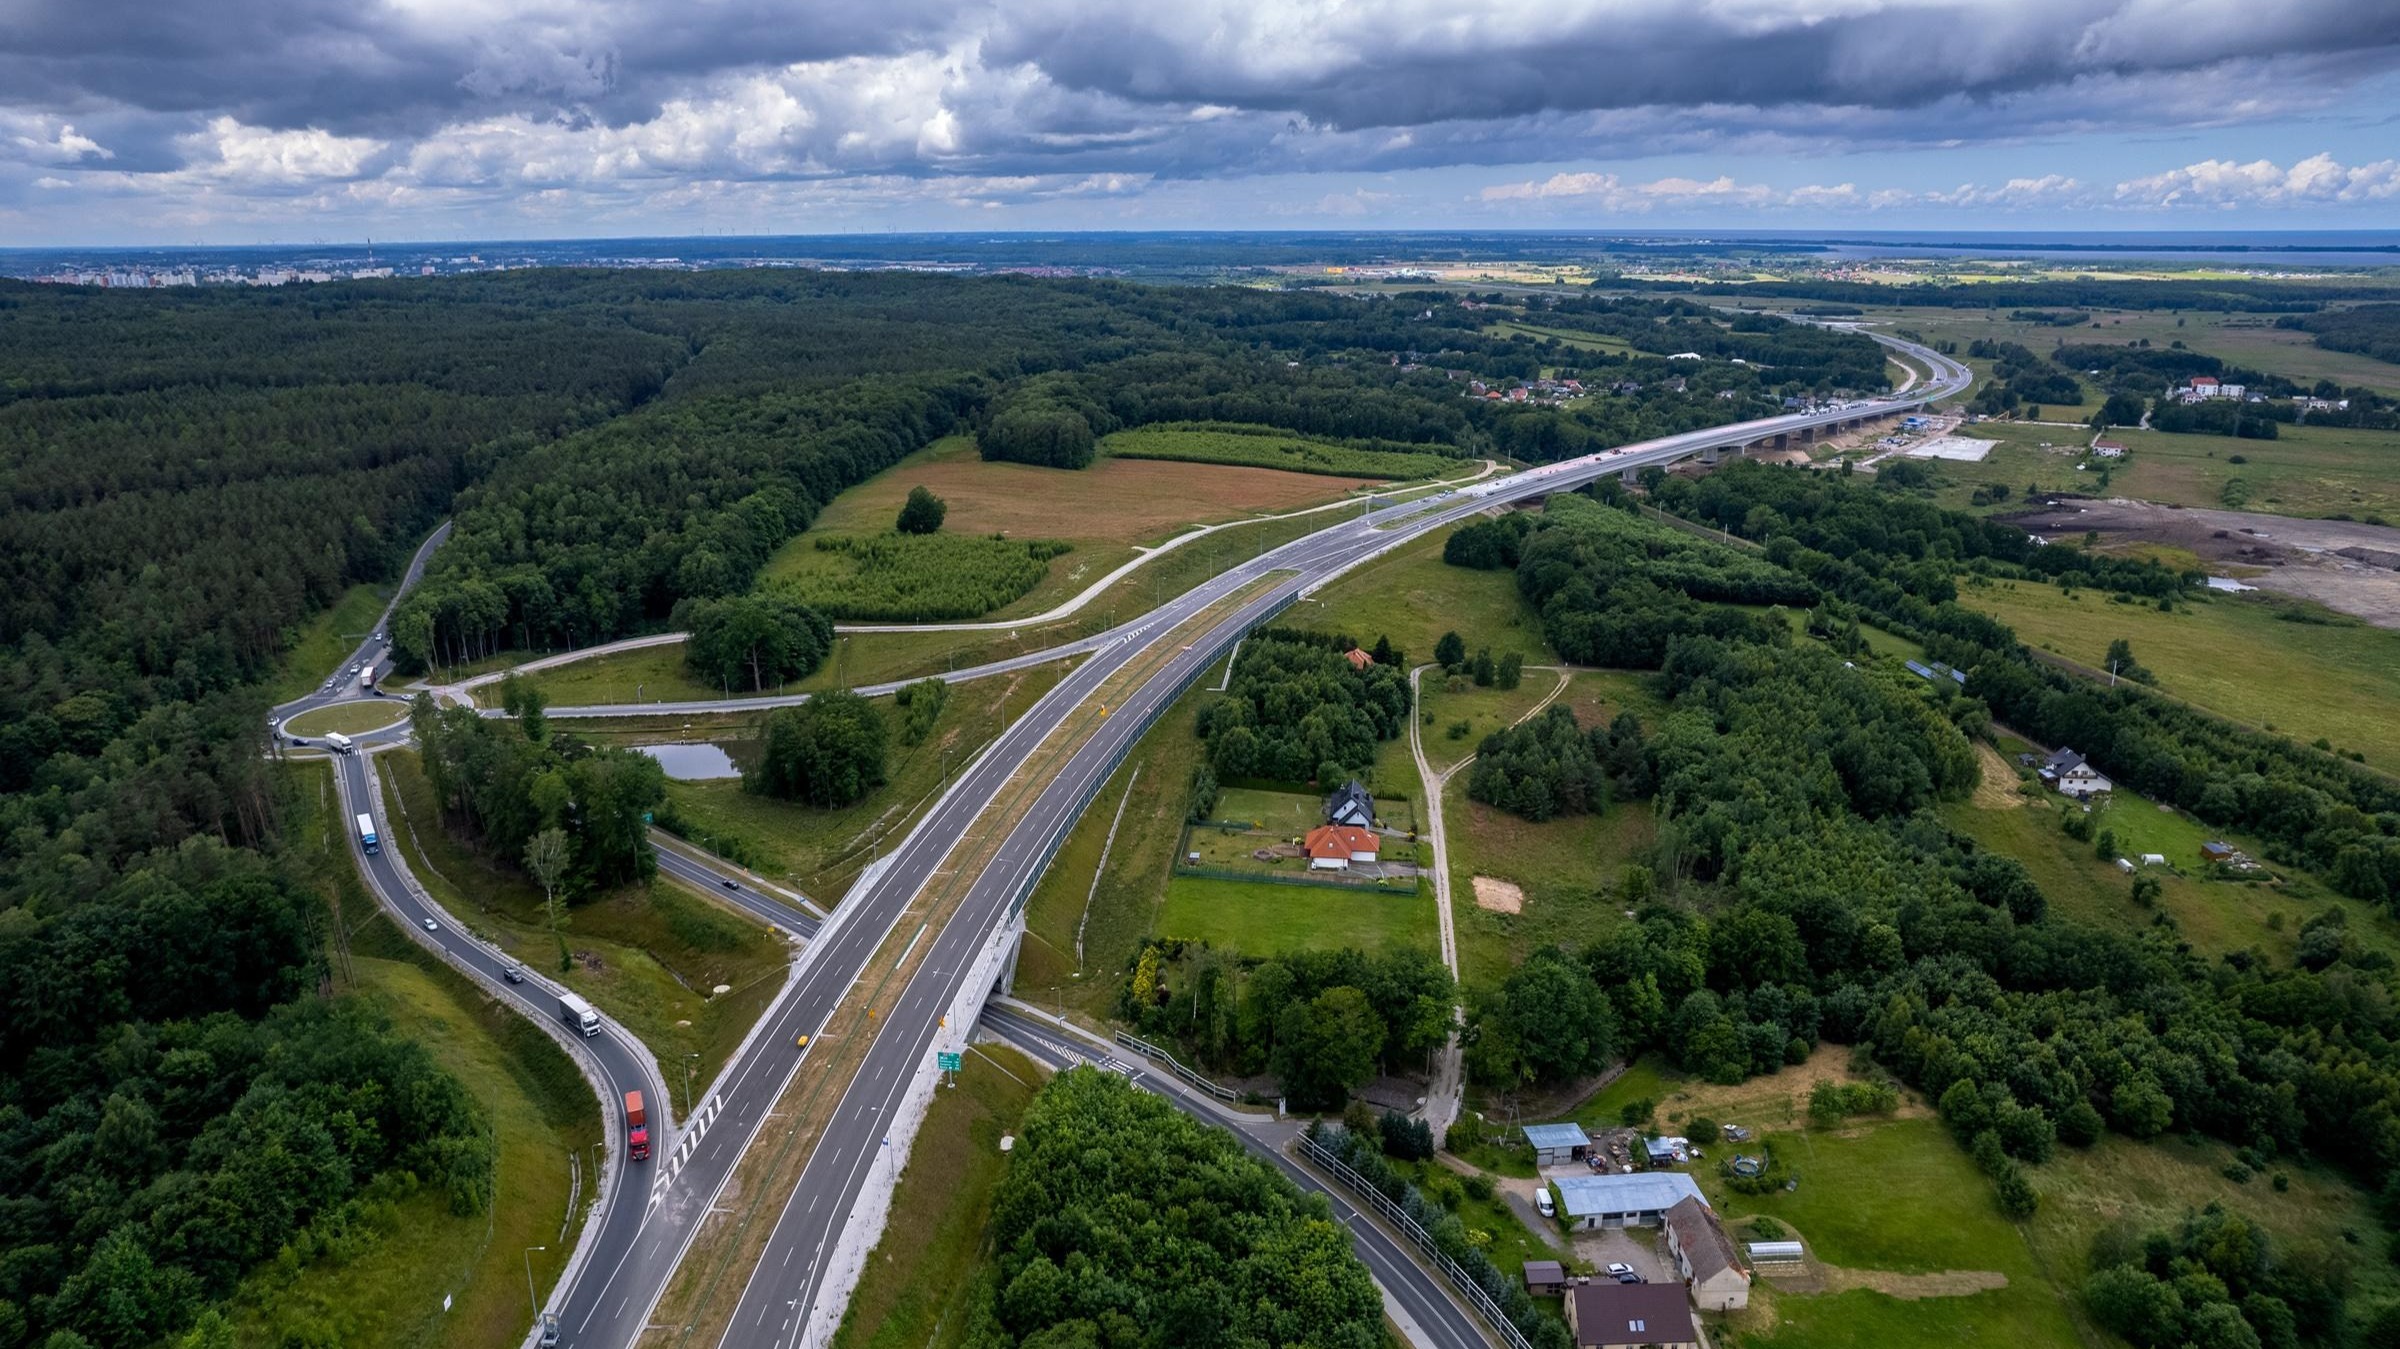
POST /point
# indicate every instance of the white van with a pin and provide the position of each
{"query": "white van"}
(1542, 1201)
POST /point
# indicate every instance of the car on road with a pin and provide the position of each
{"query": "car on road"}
(432, 926)
(298, 743)
(729, 883)
(515, 974)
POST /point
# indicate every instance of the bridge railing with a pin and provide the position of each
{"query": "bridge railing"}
(1174, 1065)
(1417, 1236)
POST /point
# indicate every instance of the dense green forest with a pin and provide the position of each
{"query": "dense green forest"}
(1125, 1222)
(1297, 710)
(1793, 787)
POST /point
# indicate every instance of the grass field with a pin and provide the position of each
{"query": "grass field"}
(352, 718)
(1262, 918)
(2229, 653)
(390, 1293)
(1560, 865)
(1577, 341)
(1266, 447)
(820, 852)
(1899, 1198)
(658, 673)
(647, 955)
(1481, 711)
(1413, 597)
(325, 642)
(2307, 471)
(1105, 510)
(921, 1276)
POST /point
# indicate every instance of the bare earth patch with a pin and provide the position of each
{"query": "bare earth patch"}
(1777, 1100)
(1499, 896)
(1945, 1283)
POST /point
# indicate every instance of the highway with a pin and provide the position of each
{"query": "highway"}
(785, 1286)
(1440, 1321)
(344, 685)
(633, 1249)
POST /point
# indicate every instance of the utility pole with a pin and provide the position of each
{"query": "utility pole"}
(687, 1086)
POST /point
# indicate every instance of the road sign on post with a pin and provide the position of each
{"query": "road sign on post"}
(948, 1062)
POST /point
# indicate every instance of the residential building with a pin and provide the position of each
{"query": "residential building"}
(1333, 847)
(1639, 1200)
(2068, 772)
(1557, 1144)
(1350, 805)
(1545, 1278)
(2215, 851)
(1625, 1315)
(2108, 449)
(1704, 1256)
(1359, 659)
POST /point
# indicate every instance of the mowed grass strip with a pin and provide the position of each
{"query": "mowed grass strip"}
(2233, 654)
(351, 718)
(921, 1276)
(1265, 918)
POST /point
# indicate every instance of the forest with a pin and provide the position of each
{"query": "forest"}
(1297, 710)
(1124, 1222)
(1795, 786)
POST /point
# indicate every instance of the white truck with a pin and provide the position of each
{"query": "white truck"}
(337, 742)
(579, 1014)
(366, 835)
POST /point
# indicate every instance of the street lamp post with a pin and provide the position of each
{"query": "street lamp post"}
(529, 1294)
(687, 1085)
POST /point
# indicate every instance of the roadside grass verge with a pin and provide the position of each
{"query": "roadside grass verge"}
(389, 1291)
(921, 1278)
(1411, 596)
(1124, 905)
(650, 956)
(820, 852)
(1265, 918)
(324, 642)
(2235, 654)
(1457, 715)
(658, 673)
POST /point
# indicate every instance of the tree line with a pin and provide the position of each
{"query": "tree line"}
(1297, 709)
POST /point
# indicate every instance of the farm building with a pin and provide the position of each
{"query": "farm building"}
(1351, 805)
(2072, 776)
(1358, 659)
(1557, 1144)
(1608, 1315)
(1333, 847)
(1545, 1277)
(1704, 1256)
(1667, 1151)
(1638, 1200)
(2214, 851)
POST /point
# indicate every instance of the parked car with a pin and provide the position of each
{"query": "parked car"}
(1618, 1270)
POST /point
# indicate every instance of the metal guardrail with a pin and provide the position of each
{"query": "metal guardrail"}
(1175, 1065)
(1398, 1217)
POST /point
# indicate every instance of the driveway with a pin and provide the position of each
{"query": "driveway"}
(1636, 1246)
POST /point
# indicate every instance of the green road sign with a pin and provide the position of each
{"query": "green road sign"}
(948, 1062)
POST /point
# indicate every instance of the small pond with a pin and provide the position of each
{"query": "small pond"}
(687, 762)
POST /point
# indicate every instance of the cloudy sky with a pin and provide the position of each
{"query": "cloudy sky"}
(237, 121)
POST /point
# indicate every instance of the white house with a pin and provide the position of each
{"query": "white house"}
(1704, 1256)
(2072, 776)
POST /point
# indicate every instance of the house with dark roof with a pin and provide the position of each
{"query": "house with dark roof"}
(2071, 775)
(1625, 1315)
(1704, 1256)
(1350, 805)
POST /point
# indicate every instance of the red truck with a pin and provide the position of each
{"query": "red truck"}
(637, 1127)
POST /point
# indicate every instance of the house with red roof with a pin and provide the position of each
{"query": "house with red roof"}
(1333, 847)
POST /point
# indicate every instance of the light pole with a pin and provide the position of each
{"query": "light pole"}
(687, 1086)
(529, 1295)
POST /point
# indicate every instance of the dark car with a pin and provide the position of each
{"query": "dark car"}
(730, 884)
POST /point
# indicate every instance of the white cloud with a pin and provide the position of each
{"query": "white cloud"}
(2316, 180)
(231, 152)
(38, 138)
